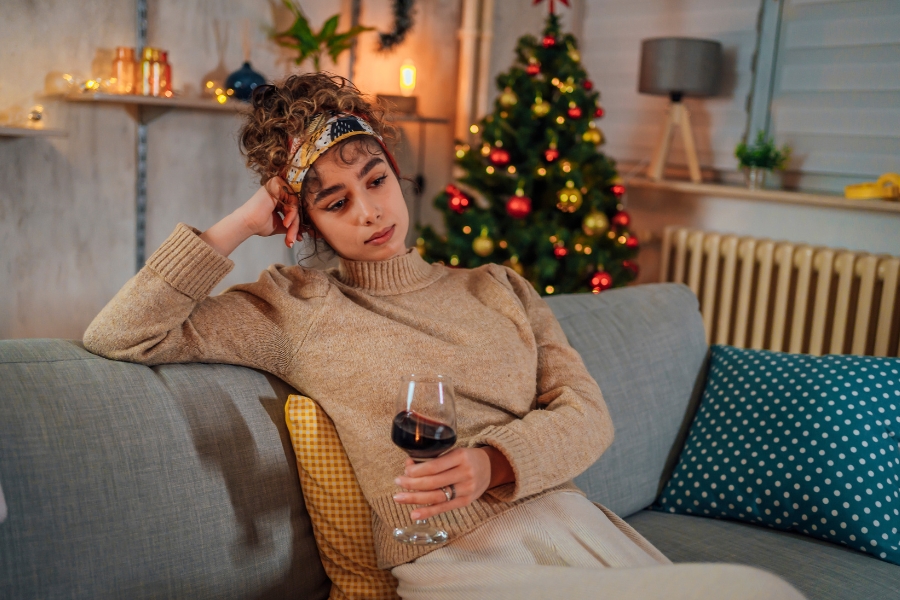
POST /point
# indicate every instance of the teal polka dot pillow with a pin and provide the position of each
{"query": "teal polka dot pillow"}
(795, 442)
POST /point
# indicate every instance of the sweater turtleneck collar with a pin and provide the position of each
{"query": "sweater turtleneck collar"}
(405, 273)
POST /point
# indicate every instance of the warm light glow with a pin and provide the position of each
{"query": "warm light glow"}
(587, 250)
(549, 289)
(485, 149)
(560, 120)
(578, 247)
(511, 169)
(407, 78)
(490, 170)
(460, 153)
(503, 244)
(474, 128)
(222, 98)
(622, 239)
(467, 230)
(230, 92)
(210, 84)
(553, 239)
(542, 171)
(454, 260)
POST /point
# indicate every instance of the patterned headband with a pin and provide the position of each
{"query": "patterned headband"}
(324, 131)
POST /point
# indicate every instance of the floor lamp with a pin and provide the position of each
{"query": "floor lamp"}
(678, 67)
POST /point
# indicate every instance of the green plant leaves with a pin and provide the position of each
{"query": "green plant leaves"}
(762, 153)
(311, 45)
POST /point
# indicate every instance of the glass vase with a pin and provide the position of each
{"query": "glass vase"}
(755, 177)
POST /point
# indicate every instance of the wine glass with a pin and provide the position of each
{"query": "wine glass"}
(424, 427)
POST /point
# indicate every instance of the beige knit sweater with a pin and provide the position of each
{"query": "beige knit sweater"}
(345, 336)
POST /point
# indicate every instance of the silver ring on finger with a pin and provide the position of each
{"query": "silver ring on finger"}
(452, 492)
(447, 493)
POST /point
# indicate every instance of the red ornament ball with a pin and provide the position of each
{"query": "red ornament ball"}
(632, 242)
(551, 154)
(458, 201)
(574, 112)
(621, 219)
(601, 280)
(598, 114)
(618, 189)
(549, 41)
(630, 265)
(560, 251)
(518, 207)
(533, 69)
(588, 84)
(499, 156)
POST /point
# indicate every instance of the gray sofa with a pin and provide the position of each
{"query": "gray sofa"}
(179, 481)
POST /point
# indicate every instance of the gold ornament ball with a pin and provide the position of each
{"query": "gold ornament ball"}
(595, 223)
(483, 245)
(540, 109)
(593, 136)
(508, 98)
(569, 199)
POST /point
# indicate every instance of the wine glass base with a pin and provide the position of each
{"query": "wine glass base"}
(420, 536)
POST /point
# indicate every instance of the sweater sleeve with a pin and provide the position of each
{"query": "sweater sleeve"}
(571, 426)
(164, 314)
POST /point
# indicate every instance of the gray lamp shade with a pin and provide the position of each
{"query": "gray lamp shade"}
(676, 66)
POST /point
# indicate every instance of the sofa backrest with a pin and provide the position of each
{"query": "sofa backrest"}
(197, 462)
(646, 348)
(195, 459)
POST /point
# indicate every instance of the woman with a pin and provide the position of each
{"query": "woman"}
(530, 417)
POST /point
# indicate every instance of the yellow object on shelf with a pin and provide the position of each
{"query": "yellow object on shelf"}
(886, 188)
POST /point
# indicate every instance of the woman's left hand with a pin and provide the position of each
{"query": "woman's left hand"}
(467, 469)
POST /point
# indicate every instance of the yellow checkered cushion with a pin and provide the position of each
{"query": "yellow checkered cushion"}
(341, 517)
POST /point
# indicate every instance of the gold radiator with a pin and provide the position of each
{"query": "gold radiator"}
(789, 297)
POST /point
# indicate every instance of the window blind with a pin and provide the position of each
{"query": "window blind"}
(835, 97)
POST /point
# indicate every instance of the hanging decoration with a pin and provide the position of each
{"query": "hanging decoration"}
(483, 245)
(403, 22)
(600, 281)
(518, 206)
(595, 223)
(569, 198)
(552, 4)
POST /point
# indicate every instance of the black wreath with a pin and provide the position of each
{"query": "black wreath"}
(403, 22)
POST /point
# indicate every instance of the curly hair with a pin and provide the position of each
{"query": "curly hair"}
(282, 111)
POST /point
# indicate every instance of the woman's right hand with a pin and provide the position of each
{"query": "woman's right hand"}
(272, 210)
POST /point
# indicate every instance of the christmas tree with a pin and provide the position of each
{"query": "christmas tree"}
(536, 194)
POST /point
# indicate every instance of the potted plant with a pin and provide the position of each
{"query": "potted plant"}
(759, 158)
(310, 44)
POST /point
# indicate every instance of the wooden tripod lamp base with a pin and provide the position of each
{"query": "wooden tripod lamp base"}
(678, 117)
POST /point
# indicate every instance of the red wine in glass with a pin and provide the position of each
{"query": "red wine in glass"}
(421, 437)
(424, 427)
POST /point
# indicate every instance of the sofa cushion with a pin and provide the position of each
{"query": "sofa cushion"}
(821, 570)
(797, 442)
(124, 481)
(645, 346)
(341, 517)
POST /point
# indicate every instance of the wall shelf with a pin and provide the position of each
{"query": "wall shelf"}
(783, 196)
(13, 132)
(151, 107)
